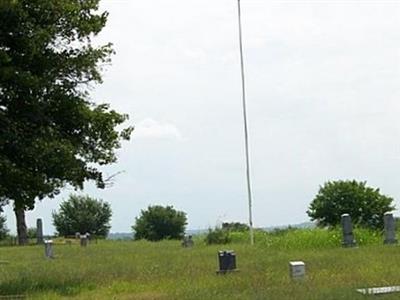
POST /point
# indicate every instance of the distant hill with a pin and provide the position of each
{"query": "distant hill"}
(196, 231)
(304, 225)
(120, 236)
(129, 236)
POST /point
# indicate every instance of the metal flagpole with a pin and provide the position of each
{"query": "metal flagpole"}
(246, 134)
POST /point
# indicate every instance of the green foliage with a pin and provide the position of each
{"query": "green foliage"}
(158, 222)
(32, 233)
(397, 222)
(3, 227)
(235, 226)
(51, 133)
(83, 214)
(292, 238)
(218, 236)
(365, 205)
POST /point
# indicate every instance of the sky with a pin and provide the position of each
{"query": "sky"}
(322, 93)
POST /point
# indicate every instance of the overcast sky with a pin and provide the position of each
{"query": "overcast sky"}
(323, 86)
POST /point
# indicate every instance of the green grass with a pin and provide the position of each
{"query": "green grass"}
(164, 270)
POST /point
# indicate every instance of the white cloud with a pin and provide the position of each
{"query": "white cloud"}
(196, 54)
(152, 129)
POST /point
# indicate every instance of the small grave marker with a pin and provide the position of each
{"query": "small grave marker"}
(379, 290)
(390, 229)
(297, 269)
(187, 242)
(227, 261)
(84, 240)
(348, 237)
(48, 248)
(39, 231)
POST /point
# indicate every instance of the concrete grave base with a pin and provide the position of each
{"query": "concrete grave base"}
(380, 290)
(222, 272)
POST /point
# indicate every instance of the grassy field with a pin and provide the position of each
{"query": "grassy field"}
(165, 270)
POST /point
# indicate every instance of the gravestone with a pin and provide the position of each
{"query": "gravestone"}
(48, 249)
(390, 229)
(380, 290)
(227, 261)
(39, 231)
(297, 269)
(84, 240)
(187, 242)
(348, 237)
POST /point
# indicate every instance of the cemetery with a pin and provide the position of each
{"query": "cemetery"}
(315, 114)
(342, 263)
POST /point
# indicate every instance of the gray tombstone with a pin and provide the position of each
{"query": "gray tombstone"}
(39, 231)
(84, 240)
(348, 237)
(187, 242)
(390, 229)
(48, 249)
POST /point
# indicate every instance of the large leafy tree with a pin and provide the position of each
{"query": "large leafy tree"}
(366, 205)
(51, 133)
(158, 222)
(83, 214)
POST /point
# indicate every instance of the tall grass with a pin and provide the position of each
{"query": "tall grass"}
(291, 238)
(165, 270)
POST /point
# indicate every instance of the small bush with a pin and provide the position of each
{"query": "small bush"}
(235, 226)
(83, 214)
(364, 204)
(158, 223)
(32, 233)
(217, 236)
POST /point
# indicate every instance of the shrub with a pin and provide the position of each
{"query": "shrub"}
(158, 222)
(32, 233)
(217, 236)
(235, 226)
(83, 214)
(365, 205)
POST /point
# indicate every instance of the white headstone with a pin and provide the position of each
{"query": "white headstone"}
(297, 269)
(379, 290)
(48, 249)
(84, 240)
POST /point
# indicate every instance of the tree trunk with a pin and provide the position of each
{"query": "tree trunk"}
(21, 226)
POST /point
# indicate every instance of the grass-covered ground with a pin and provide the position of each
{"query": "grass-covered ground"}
(164, 270)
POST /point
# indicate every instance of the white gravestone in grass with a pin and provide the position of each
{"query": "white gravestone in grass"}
(84, 240)
(48, 249)
(297, 269)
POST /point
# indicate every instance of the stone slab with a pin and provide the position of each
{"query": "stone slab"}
(380, 290)
(297, 269)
